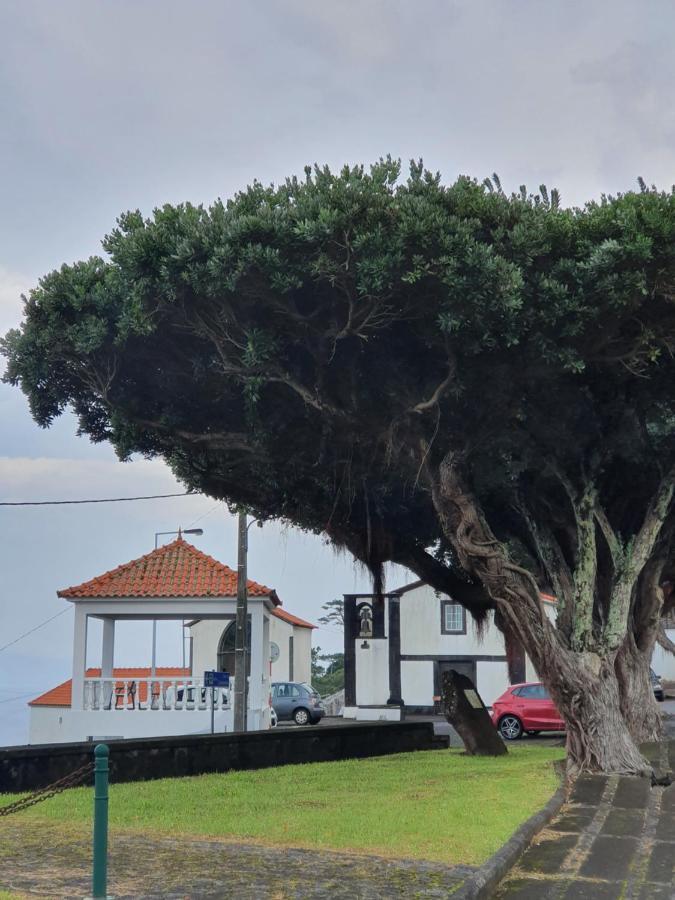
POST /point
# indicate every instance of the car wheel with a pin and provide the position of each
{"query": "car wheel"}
(510, 728)
(301, 717)
(533, 733)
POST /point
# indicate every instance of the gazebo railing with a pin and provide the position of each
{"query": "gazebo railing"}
(128, 694)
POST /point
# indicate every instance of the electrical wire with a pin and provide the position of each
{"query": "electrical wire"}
(103, 500)
(18, 697)
(26, 633)
(213, 509)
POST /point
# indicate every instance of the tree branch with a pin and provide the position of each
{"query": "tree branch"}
(215, 440)
(663, 640)
(551, 558)
(471, 595)
(425, 405)
(636, 557)
(585, 572)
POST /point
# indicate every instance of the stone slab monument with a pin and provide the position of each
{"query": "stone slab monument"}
(466, 712)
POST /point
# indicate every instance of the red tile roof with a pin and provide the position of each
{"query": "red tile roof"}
(290, 618)
(62, 694)
(176, 570)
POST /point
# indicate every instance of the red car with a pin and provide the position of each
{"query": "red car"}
(525, 707)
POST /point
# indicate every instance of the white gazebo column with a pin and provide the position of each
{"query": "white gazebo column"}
(153, 668)
(79, 657)
(108, 648)
(267, 670)
(259, 659)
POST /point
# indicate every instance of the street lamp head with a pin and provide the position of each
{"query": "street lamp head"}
(180, 533)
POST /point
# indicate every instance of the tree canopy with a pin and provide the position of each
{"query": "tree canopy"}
(319, 351)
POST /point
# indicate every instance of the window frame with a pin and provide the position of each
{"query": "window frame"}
(444, 630)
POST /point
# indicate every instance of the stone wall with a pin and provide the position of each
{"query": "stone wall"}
(29, 767)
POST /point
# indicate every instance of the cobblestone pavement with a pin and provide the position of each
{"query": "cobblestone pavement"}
(614, 839)
(38, 859)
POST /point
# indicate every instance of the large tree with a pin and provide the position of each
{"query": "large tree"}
(475, 385)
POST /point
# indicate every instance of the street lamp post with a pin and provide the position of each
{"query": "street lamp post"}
(153, 670)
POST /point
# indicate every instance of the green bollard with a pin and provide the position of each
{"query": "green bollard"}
(100, 875)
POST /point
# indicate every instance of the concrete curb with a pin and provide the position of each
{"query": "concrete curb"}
(481, 884)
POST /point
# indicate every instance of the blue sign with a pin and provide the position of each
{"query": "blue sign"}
(216, 679)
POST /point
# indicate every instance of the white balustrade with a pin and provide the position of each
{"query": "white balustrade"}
(130, 694)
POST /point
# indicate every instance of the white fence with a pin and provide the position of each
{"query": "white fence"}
(334, 704)
(129, 694)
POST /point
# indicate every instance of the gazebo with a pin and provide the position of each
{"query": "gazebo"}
(175, 582)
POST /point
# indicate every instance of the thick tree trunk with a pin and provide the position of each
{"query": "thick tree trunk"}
(633, 661)
(584, 685)
(586, 692)
(638, 704)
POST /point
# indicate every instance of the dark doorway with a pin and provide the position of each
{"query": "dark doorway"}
(463, 666)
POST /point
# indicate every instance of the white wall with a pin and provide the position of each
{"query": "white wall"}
(417, 682)
(302, 653)
(372, 673)
(663, 662)
(207, 634)
(49, 724)
(280, 632)
(492, 679)
(421, 629)
(531, 673)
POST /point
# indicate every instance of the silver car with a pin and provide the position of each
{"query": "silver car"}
(297, 702)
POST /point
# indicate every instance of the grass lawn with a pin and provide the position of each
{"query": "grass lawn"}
(435, 805)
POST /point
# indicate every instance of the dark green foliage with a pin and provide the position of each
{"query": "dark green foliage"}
(328, 672)
(311, 350)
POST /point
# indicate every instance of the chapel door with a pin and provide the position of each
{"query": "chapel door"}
(463, 666)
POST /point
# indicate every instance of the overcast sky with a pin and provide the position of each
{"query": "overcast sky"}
(109, 106)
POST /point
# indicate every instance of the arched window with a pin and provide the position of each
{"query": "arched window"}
(226, 649)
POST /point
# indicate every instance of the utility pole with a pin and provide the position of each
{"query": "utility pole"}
(240, 692)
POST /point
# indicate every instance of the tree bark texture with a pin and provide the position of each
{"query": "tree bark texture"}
(638, 704)
(583, 682)
(587, 694)
(633, 660)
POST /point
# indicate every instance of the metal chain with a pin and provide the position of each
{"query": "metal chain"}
(51, 790)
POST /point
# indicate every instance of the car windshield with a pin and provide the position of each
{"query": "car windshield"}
(308, 688)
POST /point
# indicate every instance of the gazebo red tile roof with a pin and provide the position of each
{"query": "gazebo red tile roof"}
(176, 570)
(291, 619)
